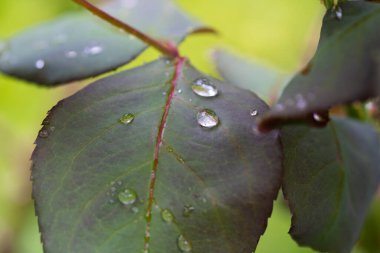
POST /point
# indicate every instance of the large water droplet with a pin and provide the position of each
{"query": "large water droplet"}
(207, 118)
(39, 64)
(167, 215)
(94, 50)
(188, 210)
(127, 118)
(127, 197)
(204, 88)
(183, 244)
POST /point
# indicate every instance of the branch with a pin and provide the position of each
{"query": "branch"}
(164, 47)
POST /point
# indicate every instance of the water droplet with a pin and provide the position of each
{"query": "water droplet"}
(204, 88)
(164, 93)
(207, 118)
(300, 102)
(127, 197)
(167, 215)
(254, 112)
(183, 244)
(135, 209)
(188, 210)
(71, 54)
(338, 12)
(320, 118)
(94, 50)
(127, 118)
(43, 133)
(39, 64)
(179, 91)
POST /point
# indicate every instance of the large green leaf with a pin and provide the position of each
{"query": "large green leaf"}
(77, 46)
(342, 71)
(260, 78)
(330, 178)
(218, 183)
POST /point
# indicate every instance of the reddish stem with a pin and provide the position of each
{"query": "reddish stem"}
(179, 61)
(160, 46)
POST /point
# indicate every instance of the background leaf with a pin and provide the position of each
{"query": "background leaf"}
(330, 178)
(342, 71)
(77, 46)
(262, 79)
(213, 186)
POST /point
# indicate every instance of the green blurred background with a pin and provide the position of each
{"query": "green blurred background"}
(281, 33)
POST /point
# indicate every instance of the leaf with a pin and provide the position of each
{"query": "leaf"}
(330, 178)
(79, 45)
(267, 82)
(342, 71)
(218, 183)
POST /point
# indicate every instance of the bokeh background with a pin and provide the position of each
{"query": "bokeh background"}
(280, 33)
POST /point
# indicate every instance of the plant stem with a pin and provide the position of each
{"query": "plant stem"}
(164, 47)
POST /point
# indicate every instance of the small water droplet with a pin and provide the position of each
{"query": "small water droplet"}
(71, 54)
(94, 50)
(183, 244)
(338, 12)
(127, 118)
(164, 93)
(39, 64)
(127, 197)
(135, 209)
(204, 88)
(300, 102)
(188, 210)
(43, 133)
(207, 118)
(168, 62)
(167, 215)
(254, 112)
(179, 91)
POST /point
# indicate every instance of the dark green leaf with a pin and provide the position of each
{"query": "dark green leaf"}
(218, 183)
(342, 71)
(266, 81)
(330, 178)
(77, 46)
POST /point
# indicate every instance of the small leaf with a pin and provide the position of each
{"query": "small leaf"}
(267, 82)
(217, 180)
(77, 46)
(331, 175)
(342, 71)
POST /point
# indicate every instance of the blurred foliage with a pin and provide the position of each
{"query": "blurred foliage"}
(282, 33)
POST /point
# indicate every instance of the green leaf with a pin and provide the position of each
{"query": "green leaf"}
(266, 81)
(342, 71)
(215, 186)
(330, 178)
(79, 45)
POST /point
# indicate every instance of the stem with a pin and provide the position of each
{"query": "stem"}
(163, 47)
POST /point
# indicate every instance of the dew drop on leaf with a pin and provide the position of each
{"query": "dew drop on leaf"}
(254, 112)
(71, 54)
(204, 88)
(183, 244)
(338, 12)
(43, 133)
(188, 210)
(167, 215)
(39, 64)
(127, 197)
(94, 50)
(127, 118)
(207, 118)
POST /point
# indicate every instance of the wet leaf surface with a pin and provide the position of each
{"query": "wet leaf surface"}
(342, 71)
(79, 45)
(330, 178)
(104, 151)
